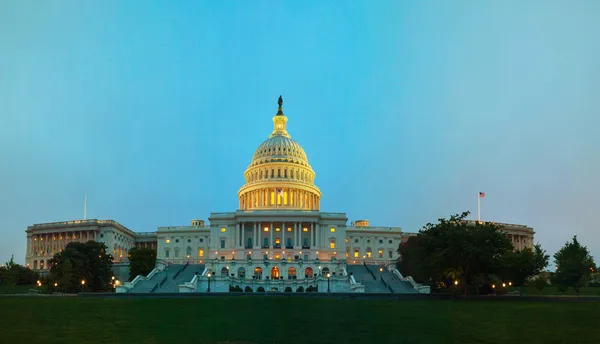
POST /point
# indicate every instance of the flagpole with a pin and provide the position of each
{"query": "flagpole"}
(85, 206)
(478, 207)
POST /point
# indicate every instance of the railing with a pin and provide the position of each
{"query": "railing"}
(162, 282)
(423, 289)
(369, 270)
(386, 285)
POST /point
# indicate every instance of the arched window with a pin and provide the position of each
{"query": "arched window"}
(188, 252)
(292, 273)
(324, 272)
(257, 272)
(308, 272)
(247, 289)
(292, 174)
(285, 173)
(279, 173)
(275, 273)
(167, 252)
(200, 252)
(266, 243)
(260, 290)
(380, 252)
(272, 173)
(356, 253)
(368, 251)
(176, 252)
(222, 242)
(277, 243)
(224, 272)
(261, 175)
(332, 243)
(242, 272)
(35, 264)
(249, 243)
(289, 243)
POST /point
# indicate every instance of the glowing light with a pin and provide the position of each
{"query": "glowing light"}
(493, 286)
(509, 283)
(82, 282)
(455, 282)
(503, 285)
(55, 284)
(209, 274)
(113, 278)
(328, 275)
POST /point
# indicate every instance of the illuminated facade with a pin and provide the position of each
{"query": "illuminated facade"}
(278, 239)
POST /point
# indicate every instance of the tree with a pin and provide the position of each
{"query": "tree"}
(15, 274)
(540, 283)
(574, 266)
(142, 261)
(78, 262)
(455, 249)
(518, 265)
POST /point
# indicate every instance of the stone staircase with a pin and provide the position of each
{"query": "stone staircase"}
(397, 285)
(375, 285)
(168, 280)
(364, 277)
(178, 274)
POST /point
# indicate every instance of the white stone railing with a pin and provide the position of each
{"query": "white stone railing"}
(422, 289)
(190, 287)
(125, 287)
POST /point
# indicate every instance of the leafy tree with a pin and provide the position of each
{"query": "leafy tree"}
(574, 266)
(540, 283)
(518, 265)
(15, 274)
(142, 261)
(454, 249)
(78, 262)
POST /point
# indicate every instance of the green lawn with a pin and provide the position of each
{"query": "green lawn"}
(16, 289)
(294, 320)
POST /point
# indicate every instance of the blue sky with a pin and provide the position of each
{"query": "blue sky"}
(406, 109)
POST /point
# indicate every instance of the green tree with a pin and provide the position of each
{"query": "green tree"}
(518, 265)
(78, 262)
(455, 249)
(142, 261)
(574, 266)
(540, 283)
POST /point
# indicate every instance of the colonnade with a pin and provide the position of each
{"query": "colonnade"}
(288, 198)
(51, 243)
(520, 241)
(260, 230)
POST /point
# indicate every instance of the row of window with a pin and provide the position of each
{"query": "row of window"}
(369, 241)
(368, 253)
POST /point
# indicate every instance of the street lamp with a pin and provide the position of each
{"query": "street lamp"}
(328, 279)
(456, 282)
(209, 274)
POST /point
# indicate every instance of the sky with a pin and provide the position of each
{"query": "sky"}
(406, 110)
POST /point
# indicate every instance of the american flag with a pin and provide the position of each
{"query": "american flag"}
(280, 192)
(481, 194)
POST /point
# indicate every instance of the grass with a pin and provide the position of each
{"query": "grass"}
(553, 290)
(294, 320)
(16, 289)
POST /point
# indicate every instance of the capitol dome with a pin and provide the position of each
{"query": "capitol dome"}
(279, 176)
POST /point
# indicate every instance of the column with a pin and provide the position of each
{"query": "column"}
(295, 233)
(312, 233)
(243, 234)
(271, 234)
(254, 235)
(283, 229)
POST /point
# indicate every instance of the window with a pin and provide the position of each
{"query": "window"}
(222, 243)
(189, 241)
(101, 235)
(277, 256)
(390, 241)
(305, 229)
(390, 254)
(380, 253)
(168, 241)
(176, 240)
(176, 253)
(289, 229)
(223, 229)
(356, 241)
(331, 243)
(346, 240)
(355, 253)
(368, 241)
(380, 241)
(266, 229)
(201, 240)
(200, 253)
(188, 252)
(332, 229)
(277, 229)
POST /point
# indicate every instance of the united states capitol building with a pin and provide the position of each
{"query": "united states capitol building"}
(277, 240)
